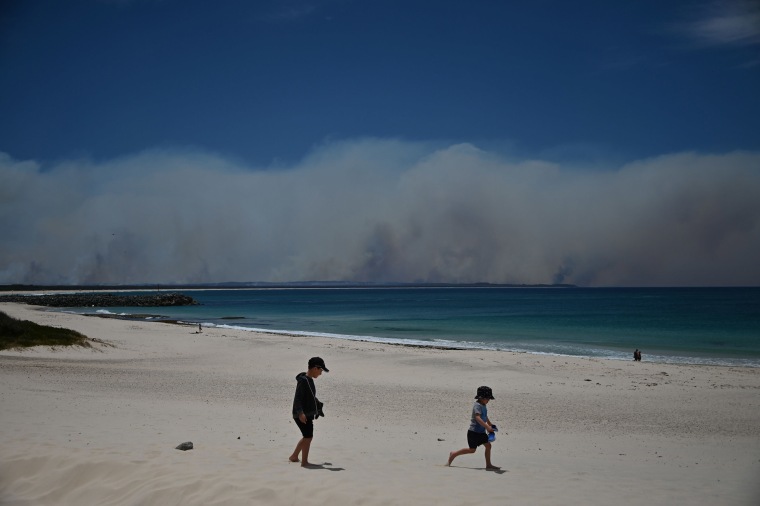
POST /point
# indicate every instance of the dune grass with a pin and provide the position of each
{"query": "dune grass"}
(23, 334)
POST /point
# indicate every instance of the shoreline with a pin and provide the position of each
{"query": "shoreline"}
(713, 347)
(99, 426)
(709, 362)
(650, 358)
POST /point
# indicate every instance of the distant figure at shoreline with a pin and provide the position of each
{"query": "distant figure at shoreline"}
(637, 355)
(199, 328)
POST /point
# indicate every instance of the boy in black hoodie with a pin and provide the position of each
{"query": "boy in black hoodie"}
(307, 408)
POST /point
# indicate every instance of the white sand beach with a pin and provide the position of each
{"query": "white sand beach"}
(99, 426)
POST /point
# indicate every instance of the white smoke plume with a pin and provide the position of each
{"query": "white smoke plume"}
(382, 210)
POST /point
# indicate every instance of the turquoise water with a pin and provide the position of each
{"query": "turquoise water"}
(685, 325)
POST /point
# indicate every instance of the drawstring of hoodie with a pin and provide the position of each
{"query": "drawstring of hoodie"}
(316, 406)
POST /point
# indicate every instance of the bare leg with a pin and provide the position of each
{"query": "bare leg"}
(299, 447)
(303, 448)
(305, 452)
(457, 453)
(488, 457)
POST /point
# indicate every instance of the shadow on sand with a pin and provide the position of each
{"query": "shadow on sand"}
(495, 471)
(325, 466)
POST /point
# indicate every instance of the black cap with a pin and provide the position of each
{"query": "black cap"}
(318, 362)
(484, 393)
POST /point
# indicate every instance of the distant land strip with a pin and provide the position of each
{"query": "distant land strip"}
(101, 300)
(262, 284)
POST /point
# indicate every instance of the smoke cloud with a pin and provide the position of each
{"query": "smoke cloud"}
(382, 210)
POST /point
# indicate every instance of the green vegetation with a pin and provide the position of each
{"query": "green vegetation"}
(22, 334)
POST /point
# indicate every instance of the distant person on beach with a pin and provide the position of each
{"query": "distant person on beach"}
(480, 428)
(199, 328)
(637, 355)
(307, 408)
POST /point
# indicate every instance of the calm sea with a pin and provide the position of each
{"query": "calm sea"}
(682, 325)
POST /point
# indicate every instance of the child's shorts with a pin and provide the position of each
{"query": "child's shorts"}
(307, 429)
(475, 439)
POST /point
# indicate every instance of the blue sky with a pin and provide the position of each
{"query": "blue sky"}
(165, 141)
(268, 80)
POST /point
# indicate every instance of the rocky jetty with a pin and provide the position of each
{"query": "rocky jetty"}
(101, 300)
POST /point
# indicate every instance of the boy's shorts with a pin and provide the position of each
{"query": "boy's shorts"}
(475, 439)
(307, 429)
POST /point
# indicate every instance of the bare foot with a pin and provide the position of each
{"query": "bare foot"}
(293, 459)
(492, 468)
(451, 458)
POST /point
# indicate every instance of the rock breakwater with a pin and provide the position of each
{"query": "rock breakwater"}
(101, 300)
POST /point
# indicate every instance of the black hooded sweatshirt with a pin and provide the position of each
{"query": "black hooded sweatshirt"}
(305, 400)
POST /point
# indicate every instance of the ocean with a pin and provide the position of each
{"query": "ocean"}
(716, 326)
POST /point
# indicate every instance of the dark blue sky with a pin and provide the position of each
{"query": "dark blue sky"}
(269, 80)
